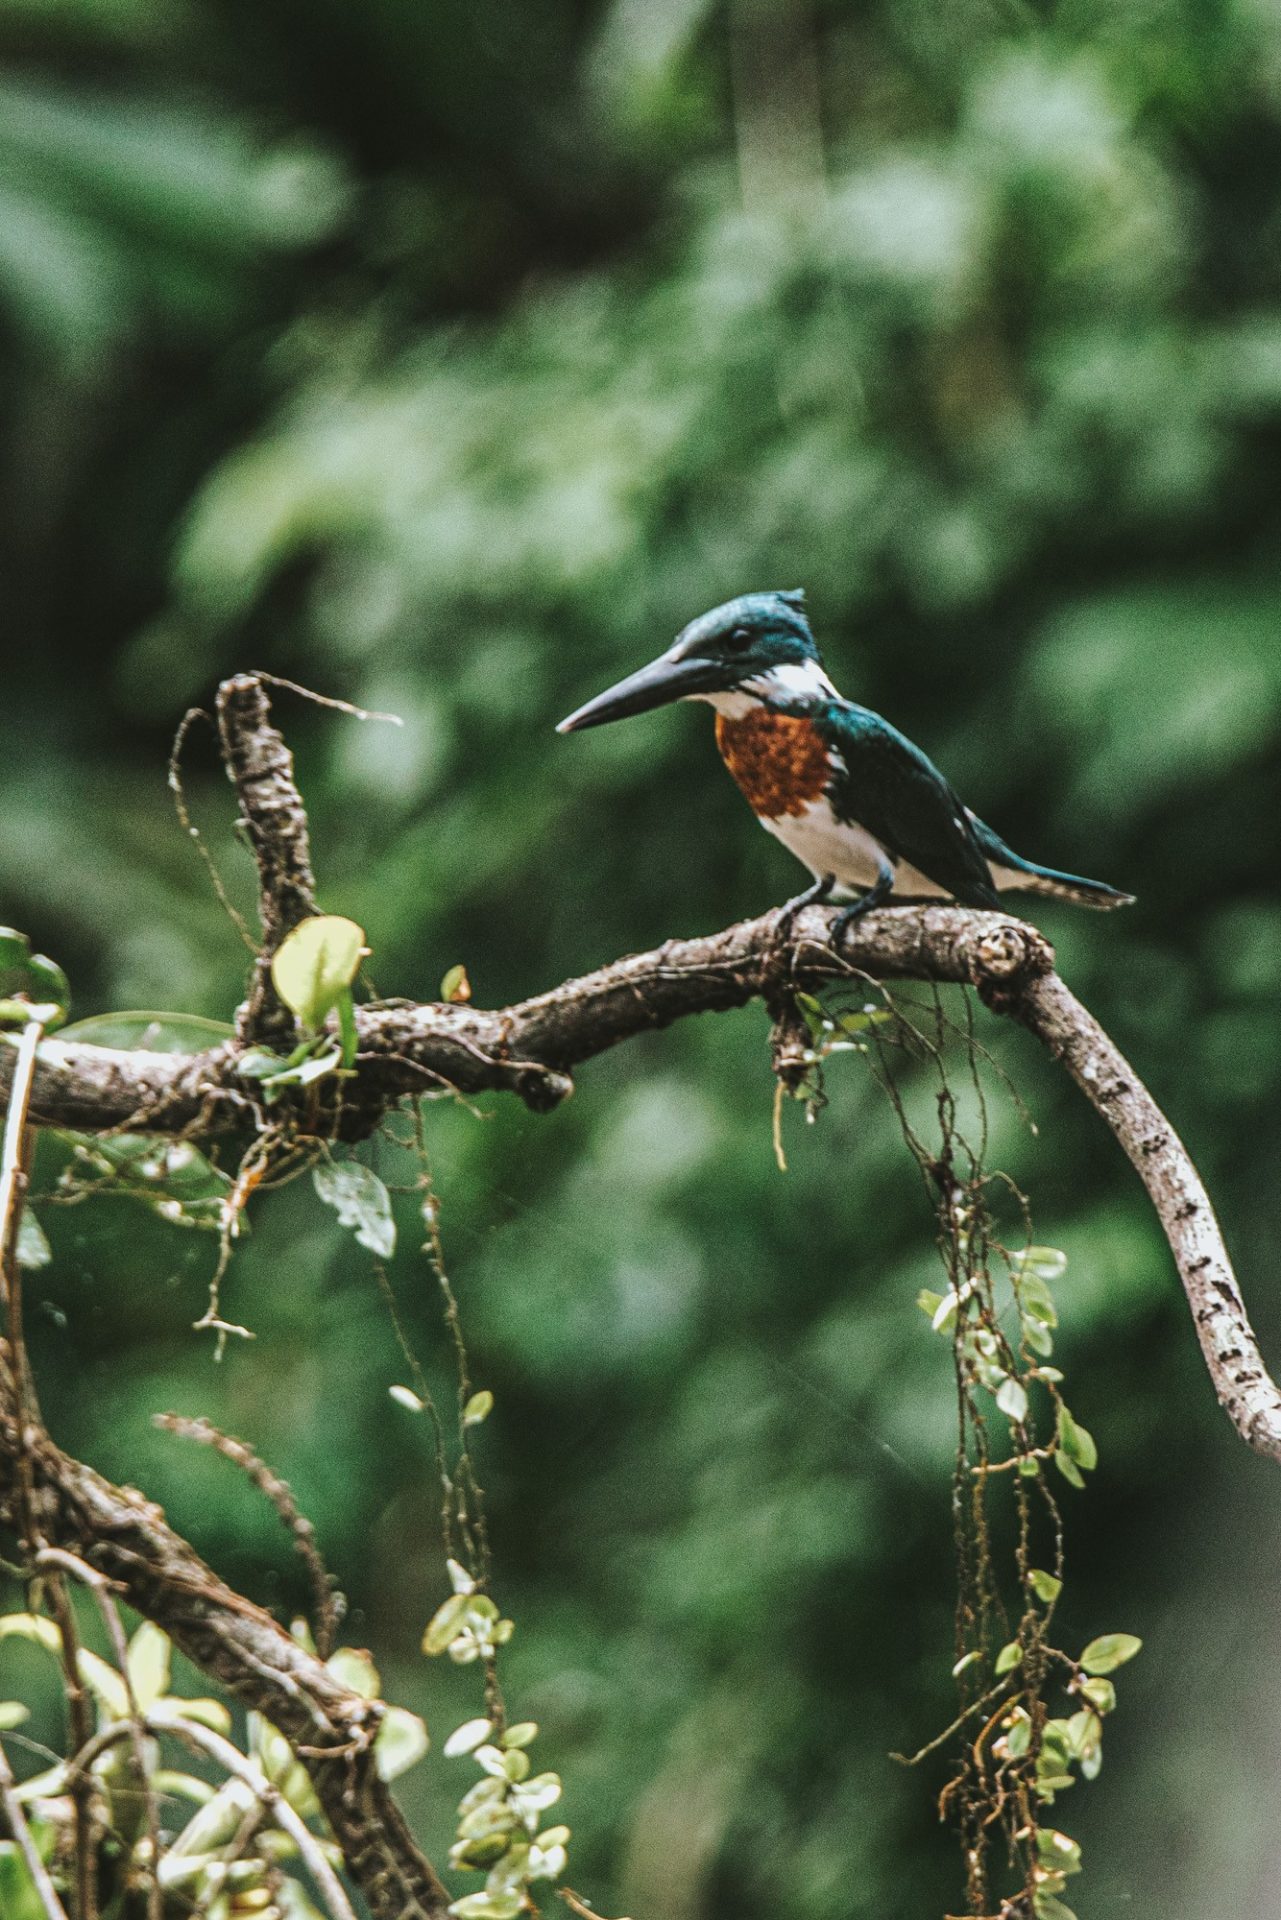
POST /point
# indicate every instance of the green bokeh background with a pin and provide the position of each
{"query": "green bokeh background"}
(448, 358)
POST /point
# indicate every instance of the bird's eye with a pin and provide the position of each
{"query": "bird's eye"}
(739, 639)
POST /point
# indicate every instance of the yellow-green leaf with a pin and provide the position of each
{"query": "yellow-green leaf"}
(316, 963)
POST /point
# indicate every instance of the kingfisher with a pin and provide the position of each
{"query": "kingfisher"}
(854, 799)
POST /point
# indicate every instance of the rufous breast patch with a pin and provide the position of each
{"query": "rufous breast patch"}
(778, 759)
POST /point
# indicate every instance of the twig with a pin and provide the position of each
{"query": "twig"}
(192, 831)
(80, 1726)
(16, 1820)
(261, 768)
(13, 1186)
(277, 1808)
(100, 1587)
(280, 1494)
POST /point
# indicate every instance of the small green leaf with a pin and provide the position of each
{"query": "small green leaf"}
(316, 963)
(929, 1302)
(1076, 1441)
(488, 1906)
(400, 1743)
(33, 1249)
(1110, 1651)
(455, 988)
(206, 1713)
(459, 1578)
(446, 1622)
(1011, 1398)
(478, 1408)
(1036, 1301)
(1047, 1907)
(1068, 1468)
(148, 1665)
(520, 1734)
(407, 1398)
(943, 1318)
(966, 1661)
(149, 1032)
(361, 1202)
(260, 1063)
(1084, 1731)
(355, 1668)
(1008, 1658)
(1018, 1734)
(1038, 1337)
(102, 1680)
(1046, 1263)
(1046, 1586)
(863, 1020)
(12, 1714)
(30, 983)
(307, 1064)
(1100, 1693)
(1058, 1851)
(465, 1739)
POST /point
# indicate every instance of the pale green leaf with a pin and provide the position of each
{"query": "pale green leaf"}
(1011, 1398)
(148, 1665)
(316, 963)
(445, 1623)
(400, 1744)
(33, 1249)
(361, 1202)
(467, 1737)
(1110, 1651)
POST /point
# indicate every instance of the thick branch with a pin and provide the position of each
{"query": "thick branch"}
(1246, 1390)
(530, 1047)
(261, 768)
(123, 1537)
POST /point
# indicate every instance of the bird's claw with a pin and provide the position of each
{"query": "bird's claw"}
(810, 897)
(876, 896)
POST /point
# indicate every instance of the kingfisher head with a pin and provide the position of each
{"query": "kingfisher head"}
(755, 650)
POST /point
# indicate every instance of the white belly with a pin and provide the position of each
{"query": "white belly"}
(827, 845)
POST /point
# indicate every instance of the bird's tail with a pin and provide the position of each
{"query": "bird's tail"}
(1010, 871)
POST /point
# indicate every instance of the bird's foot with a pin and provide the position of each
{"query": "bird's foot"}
(811, 897)
(876, 896)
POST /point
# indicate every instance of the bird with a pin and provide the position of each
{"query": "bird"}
(856, 801)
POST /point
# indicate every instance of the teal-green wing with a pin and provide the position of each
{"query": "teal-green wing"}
(887, 785)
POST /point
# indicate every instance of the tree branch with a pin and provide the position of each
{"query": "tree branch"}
(529, 1049)
(261, 768)
(125, 1539)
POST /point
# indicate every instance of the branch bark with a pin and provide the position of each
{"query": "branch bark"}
(531, 1047)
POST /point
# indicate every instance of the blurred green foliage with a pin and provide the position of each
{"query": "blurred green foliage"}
(448, 360)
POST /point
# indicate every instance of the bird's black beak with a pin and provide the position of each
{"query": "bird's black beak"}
(662, 681)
